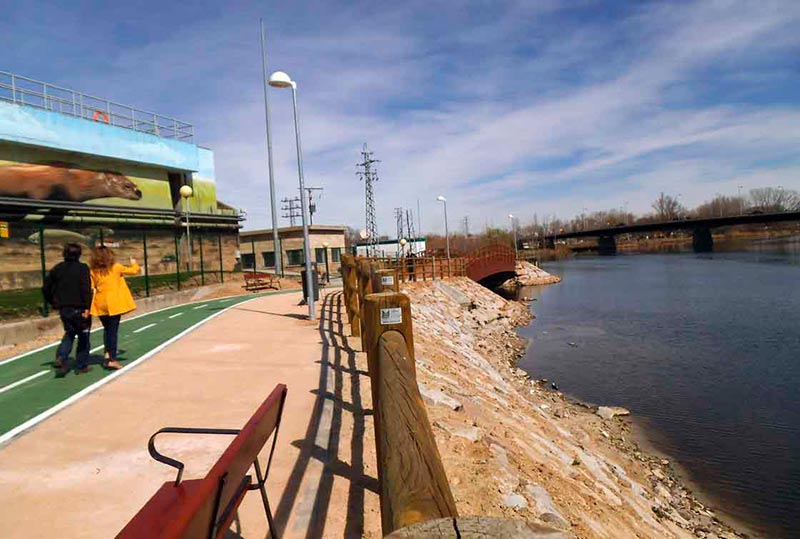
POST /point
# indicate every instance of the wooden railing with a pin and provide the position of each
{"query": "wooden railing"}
(415, 496)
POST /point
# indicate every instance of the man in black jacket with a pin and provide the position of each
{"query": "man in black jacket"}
(68, 288)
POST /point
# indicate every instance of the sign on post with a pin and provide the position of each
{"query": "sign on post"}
(392, 315)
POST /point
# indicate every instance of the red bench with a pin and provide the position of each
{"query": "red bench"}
(260, 281)
(205, 508)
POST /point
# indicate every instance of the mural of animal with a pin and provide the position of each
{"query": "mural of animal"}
(60, 182)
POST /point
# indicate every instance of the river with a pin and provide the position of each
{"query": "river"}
(705, 352)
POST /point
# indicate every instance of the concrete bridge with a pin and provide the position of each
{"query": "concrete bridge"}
(702, 241)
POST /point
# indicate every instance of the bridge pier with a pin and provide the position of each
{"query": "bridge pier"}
(606, 245)
(702, 241)
(549, 243)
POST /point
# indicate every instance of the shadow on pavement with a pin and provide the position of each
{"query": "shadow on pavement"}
(337, 362)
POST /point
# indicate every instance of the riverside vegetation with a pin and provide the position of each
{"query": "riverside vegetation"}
(512, 447)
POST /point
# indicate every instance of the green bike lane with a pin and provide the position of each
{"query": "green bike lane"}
(30, 391)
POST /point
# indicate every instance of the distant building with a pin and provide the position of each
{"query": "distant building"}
(258, 251)
(392, 248)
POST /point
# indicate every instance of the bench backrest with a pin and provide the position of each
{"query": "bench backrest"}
(198, 513)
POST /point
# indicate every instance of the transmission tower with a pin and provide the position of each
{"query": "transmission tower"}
(412, 246)
(368, 173)
(291, 208)
(465, 222)
(398, 218)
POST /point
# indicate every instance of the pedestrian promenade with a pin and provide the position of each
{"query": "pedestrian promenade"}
(85, 471)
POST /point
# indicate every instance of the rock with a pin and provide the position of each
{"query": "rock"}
(545, 508)
(515, 501)
(473, 434)
(608, 412)
(438, 398)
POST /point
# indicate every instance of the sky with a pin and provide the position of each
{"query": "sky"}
(526, 107)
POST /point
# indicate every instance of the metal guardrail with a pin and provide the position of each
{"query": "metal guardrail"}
(33, 93)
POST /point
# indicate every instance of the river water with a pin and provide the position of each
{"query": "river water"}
(704, 350)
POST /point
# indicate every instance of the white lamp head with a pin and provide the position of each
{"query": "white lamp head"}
(510, 216)
(403, 242)
(325, 244)
(441, 198)
(186, 191)
(280, 79)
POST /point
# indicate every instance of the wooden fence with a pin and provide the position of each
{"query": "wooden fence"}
(415, 496)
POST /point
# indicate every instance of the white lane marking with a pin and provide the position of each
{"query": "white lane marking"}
(144, 328)
(201, 306)
(20, 382)
(175, 315)
(96, 348)
(32, 422)
(180, 306)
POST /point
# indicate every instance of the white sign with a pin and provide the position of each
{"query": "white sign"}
(392, 315)
(387, 280)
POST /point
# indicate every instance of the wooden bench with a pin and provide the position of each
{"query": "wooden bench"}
(261, 281)
(205, 508)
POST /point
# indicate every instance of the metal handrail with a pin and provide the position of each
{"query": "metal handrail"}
(33, 93)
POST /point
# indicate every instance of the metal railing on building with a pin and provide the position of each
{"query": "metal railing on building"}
(33, 93)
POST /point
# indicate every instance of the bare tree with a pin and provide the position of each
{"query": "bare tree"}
(720, 206)
(668, 208)
(771, 199)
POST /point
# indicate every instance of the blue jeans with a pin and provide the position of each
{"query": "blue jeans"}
(110, 334)
(75, 325)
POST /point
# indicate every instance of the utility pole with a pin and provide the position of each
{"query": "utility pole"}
(273, 206)
(291, 208)
(465, 224)
(312, 207)
(369, 175)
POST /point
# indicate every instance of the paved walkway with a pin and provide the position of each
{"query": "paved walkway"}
(85, 471)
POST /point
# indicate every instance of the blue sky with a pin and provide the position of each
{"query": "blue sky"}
(526, 107)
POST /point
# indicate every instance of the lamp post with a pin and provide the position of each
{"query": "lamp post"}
(327, 268)
(443, 200)
(514, 230)
(186, 193)
(279, 79)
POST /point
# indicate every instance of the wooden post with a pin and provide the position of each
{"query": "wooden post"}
(364, 288)
(385, 280)
(350, 286)
(413, 483)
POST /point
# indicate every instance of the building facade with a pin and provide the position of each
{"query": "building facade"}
(76, 168)
(258, 252)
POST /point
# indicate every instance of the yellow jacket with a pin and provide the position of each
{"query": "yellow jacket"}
(111, 293)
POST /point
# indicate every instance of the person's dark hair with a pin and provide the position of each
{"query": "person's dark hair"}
(72, 251)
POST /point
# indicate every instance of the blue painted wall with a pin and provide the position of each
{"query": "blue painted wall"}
(29, 125)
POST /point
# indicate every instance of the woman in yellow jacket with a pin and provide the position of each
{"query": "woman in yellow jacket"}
(112, 298)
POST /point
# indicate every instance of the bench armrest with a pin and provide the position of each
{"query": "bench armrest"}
(151, 445)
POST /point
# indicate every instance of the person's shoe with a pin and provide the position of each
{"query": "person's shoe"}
(61, 366)
(83, 370)
(113, 365)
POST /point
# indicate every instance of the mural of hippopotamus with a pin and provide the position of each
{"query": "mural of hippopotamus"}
(64, 182)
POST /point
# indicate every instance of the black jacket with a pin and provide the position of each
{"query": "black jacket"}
(68, 285)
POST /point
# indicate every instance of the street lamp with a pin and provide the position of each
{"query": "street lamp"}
(443, 200)
(514, 229)
(403, 243)
(186, 193)
(327, 268)
(279, 79)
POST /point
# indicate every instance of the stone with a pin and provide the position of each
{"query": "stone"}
(515, 501)
(545, 508)
(609, 412)
(436, 397)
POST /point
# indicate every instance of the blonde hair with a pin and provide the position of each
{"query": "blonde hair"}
(102, 259)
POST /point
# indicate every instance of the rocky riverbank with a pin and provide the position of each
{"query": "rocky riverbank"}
(513, 447)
